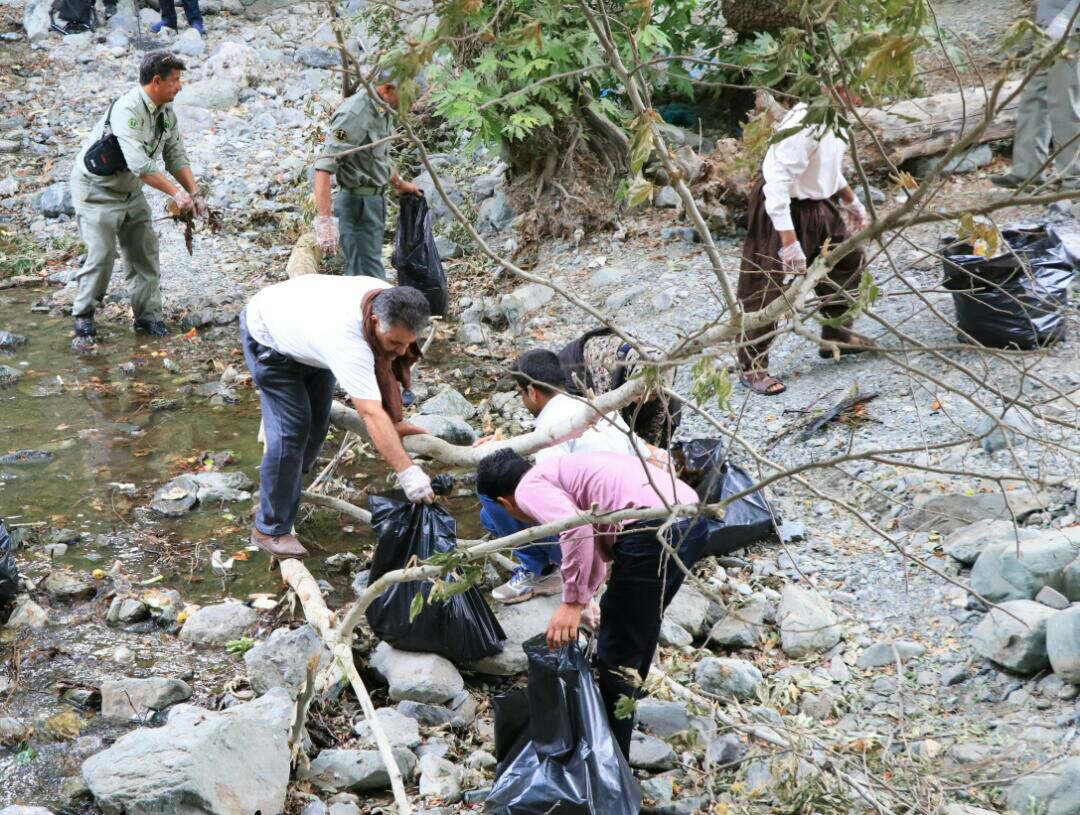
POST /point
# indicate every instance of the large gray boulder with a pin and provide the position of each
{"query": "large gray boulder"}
(949, 512)
(36, 20)
(1063, 644)
(1013, 635)
(688, 609)
(231, 763)
(282, 660)
(808, 624)
(133, 700)
(495, 214)
(448, 402)
(968, 542)
(1007, 571)
(524, 300)
(1054, 790)
(237, 64)
(451, 429)
(742, 626)
(520, 621)
(728, 678)
(218, 624)
(56, 200)
(209, 94)
(662, 719)
(418, 677)
(356, 770)
(400, 730)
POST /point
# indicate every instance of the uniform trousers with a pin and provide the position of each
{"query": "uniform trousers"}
(361, 220)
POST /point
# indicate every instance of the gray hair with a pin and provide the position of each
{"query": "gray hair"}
(404, 306)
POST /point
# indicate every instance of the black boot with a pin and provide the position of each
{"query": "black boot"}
(85, 333)
(110, 10)
(152, 328)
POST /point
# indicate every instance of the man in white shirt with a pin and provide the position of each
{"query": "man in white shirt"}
(539, 378)
(300, 336)
(800, 203)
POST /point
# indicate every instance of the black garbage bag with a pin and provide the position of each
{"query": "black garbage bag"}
(9, 570)
(702, 465)
(462, 628)
(415, 256)
(566, 761)
(1016, 300)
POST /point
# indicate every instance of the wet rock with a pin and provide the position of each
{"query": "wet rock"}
(356, 770)
(1063, 644)
(418, 677)
(451, 429)
(673, 635)
(164, 605)
(13, 731)
(1004, 573)
(1052, 790)
(662, 719)
(448, 402)
(8, 377)
(520, 621)
(314, 57)
(209, 94)
(689, 609)
(176, 497)
(27, 614)
(727, 750)
(742, 626)
(808, 625)
(218, 624)
(132, 611)
(886, 653)
(1015, 640)
(650, 753)
(199, 761)
(967, 543)
(728, 678)
(134, 700)
(282, 660)
(495, 214)
(69, 586)
(523, 301)
(949, 512)
(10, 341)
(401, 730)
(439, 779)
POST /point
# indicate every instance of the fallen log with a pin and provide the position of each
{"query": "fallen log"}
(929, 125)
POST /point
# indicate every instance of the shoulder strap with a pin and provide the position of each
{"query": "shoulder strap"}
(107, 131)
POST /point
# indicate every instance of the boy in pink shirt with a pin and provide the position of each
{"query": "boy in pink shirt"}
(644, 578)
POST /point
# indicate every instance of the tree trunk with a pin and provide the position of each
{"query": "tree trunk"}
(752, 16)
(928, 126)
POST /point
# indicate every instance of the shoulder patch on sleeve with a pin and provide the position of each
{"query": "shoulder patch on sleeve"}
(133, 123)
(341, 135)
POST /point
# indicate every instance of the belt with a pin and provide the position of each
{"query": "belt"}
(364, 190)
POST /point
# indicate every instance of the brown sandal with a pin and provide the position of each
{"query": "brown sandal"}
(762, 383)
(855, 344)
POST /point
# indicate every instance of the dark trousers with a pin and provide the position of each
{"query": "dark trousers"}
(761, 279)
(191, 11)
(295, 402)
(361, 220)
(642, 583)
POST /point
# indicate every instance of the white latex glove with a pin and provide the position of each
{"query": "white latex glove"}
(416, 484)
(183, 200)
(1056, 29)
(327, 236)
(854, 215)
(794, 259)
(201, 208)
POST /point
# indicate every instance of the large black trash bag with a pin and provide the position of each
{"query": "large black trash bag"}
(415, 256)
(1016, 300)
(702, 465)
(461, 629)
(565, 761)
(9, 570)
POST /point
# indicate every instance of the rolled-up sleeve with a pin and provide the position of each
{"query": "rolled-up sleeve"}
(173, 151)
(784, 162)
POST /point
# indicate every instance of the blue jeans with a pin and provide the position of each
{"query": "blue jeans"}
(191, 11)
(499, 523)
(295, 402)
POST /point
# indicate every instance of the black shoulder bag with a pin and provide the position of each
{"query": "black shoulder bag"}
(104, 157)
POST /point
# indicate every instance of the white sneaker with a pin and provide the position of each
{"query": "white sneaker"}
(524, 585)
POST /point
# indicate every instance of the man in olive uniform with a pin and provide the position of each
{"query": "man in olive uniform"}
(112, 208)
(362, 175)
(1049, 109)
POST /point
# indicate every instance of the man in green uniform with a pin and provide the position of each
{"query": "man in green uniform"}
(362, 175)
(112, 208)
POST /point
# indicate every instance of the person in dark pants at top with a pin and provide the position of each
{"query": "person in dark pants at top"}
(301, 337)
(168, 16)
(644, 578)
